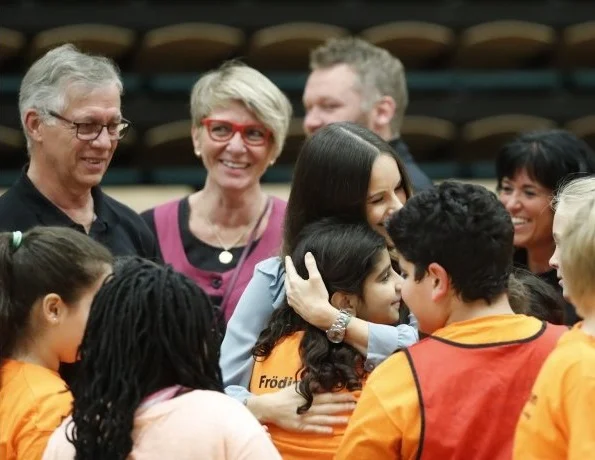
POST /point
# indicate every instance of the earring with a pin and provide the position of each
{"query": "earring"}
(197, 152)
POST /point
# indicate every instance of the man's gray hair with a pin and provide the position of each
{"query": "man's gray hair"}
(48, 81)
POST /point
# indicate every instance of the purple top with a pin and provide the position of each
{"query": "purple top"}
(213, 283)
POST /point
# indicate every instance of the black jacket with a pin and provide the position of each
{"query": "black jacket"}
(419, 179)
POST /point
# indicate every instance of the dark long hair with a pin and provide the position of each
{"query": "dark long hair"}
(149, 328)
(46, 260)
(332, 175)
(345, 253)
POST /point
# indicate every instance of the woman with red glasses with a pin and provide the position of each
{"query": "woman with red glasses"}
(217, 235)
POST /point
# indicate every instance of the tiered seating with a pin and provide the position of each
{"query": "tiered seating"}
(478, 72)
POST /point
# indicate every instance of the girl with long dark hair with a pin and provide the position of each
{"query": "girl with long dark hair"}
(357, 271)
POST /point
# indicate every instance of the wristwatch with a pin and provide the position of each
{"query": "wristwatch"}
(336, 333)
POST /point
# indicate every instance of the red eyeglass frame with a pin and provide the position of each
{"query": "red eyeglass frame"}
(235, 128)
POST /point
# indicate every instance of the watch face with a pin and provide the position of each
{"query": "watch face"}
(335, 336)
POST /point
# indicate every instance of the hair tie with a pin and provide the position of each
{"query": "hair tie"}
(17, 238)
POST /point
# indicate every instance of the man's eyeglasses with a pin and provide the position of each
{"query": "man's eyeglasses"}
(222, 131)
(91, 131)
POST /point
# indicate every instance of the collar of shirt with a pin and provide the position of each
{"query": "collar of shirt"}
(50, 215)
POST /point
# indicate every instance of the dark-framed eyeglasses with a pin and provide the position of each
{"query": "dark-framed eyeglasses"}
(88, 131)
(222, 131)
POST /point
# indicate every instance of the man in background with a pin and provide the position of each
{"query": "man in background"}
(352, 80)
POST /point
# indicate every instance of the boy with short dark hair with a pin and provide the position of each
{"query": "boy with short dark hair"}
(458, 393)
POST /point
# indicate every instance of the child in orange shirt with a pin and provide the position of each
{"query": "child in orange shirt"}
(558, 419)
(456, 394)
(356, 268)
(48, 277)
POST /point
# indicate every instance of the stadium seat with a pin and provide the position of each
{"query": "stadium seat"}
(287, 46)
(187, 47)
(11, 43)
(584, 128)
(426, 136)
(483, 138)
(503, 44)
(108, 40)
(169, 145)
(578, 46)
(414, 43)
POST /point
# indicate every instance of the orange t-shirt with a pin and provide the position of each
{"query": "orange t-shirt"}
(386, 423)
(558, 421)
(276, 372)
(33, 402)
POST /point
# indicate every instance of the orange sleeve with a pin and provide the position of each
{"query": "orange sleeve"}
(33, 435)
(579, 407)
(32, 444)
(539, 434)
(557, 421)
(385, 423)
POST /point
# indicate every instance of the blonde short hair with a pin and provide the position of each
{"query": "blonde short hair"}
(380, 73)
(573, 194)
(577, 253)
(235, 81)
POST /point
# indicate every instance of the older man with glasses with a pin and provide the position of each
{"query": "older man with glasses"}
(69, 105)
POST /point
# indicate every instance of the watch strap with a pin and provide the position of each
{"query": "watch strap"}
(336, 332)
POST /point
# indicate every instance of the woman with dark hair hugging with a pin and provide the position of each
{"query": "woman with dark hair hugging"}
(150, 385)
(345, 171)
(356, 268)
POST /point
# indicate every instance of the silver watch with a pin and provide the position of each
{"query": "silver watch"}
(336, 333)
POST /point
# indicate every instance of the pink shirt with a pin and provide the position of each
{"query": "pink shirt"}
(197, 425)
(215, 284)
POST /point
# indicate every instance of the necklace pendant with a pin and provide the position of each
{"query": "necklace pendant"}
(225, 257)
